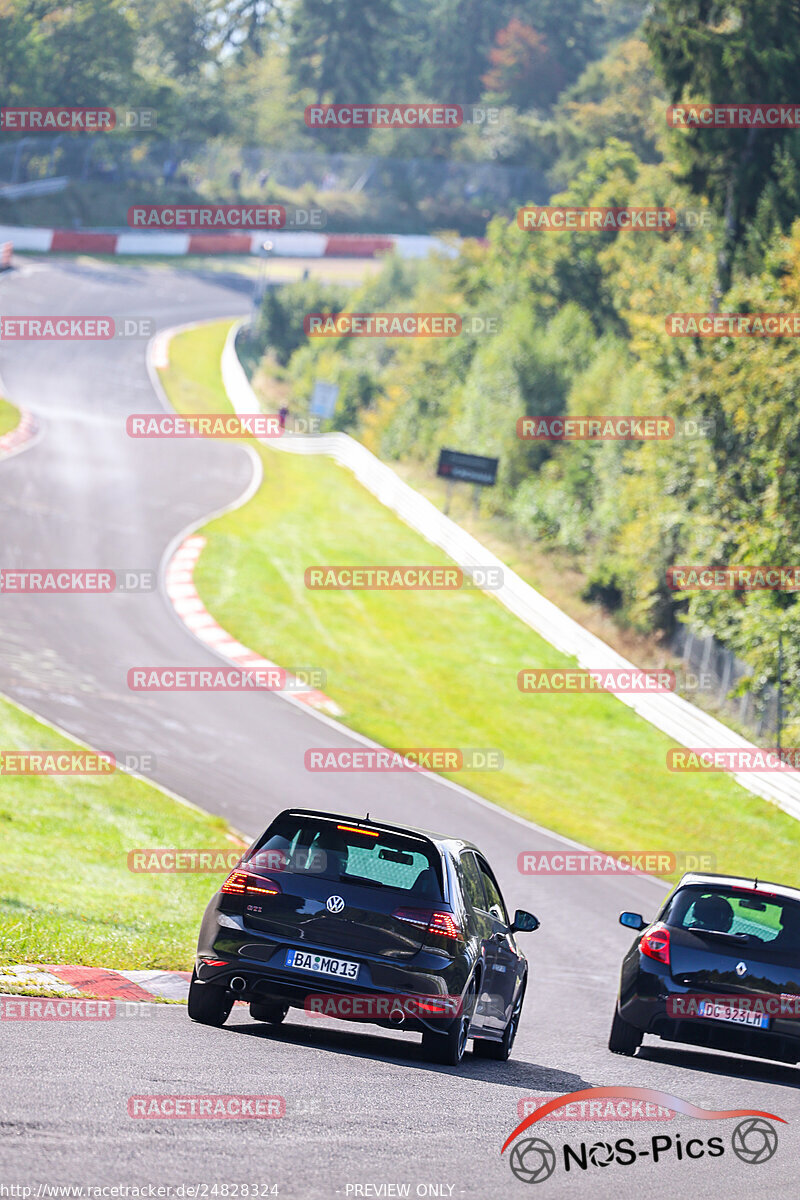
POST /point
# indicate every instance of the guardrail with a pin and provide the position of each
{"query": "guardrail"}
(34, 187)
(674, 716)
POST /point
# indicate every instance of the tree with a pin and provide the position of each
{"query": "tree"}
(724, 51)
(340, 48)
(523, 71)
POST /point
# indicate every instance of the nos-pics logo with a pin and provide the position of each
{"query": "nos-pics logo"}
(533, 1159)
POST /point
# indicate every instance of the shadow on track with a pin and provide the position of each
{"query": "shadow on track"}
(737, 1067)
(514, 1073)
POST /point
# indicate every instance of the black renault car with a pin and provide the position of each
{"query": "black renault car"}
(349, 916)
(719, 967)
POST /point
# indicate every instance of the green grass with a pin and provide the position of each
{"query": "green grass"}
(9, 417)
(67, 895)
(438, 669)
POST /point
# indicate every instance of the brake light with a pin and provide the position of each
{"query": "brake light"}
(242, 883)
(356, 829)
(655, 944)
(441, 923)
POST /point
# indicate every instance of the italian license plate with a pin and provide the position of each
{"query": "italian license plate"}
(727, 1012)
(340, 968)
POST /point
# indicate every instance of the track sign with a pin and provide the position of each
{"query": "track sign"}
(323, 398)
(467, 468)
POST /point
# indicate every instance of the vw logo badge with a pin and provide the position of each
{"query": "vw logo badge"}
(741, 968)
(335, 904)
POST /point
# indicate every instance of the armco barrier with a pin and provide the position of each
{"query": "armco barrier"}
(688, 725)
(285, 243)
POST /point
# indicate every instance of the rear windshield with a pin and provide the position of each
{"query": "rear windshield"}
(759, 915)
(341, 852)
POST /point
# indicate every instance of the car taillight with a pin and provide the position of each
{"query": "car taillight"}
(242, 883)
(441, 923)
(655, 944)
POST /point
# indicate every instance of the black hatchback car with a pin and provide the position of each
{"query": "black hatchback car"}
(351, 917)
(719, 967)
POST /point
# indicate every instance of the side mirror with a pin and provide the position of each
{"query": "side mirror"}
(524, 922)
(632, 920)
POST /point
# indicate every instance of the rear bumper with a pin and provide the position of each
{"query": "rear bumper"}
(261, 962)
(646, 1008)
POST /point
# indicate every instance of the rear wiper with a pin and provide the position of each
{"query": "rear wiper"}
(739, 938)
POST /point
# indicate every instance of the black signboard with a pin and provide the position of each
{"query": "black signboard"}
(467, 468)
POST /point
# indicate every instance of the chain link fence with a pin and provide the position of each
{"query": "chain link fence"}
(719, 673)
(222, 171)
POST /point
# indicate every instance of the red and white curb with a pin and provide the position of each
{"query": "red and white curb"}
(179, 582)
(285, 244)
(19, 436)
(99, 981)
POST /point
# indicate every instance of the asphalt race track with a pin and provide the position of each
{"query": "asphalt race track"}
(363, 1111)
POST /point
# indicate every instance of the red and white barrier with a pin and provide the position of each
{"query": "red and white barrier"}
(6, 250)
(19, 436)
(285, 244)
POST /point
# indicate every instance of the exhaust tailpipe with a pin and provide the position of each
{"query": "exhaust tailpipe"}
(238, 984)
(397, 1016)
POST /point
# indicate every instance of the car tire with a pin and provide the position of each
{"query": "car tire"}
(208, 1003)
(269, 1010)
(448, 1048)
(624, 1037)
(501, 1051)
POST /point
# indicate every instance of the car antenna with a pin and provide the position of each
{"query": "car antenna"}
(367, 817)
(756, 883)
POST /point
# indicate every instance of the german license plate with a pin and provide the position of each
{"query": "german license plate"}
(728, 1012)
(340, 968)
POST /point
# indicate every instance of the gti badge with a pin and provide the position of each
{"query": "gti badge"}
(741, 968)
(335, 904)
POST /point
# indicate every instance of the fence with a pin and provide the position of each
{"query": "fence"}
(755, 710)
(226, 171)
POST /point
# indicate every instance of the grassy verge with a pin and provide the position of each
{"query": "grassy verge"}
(67, 894)
(9, 417)
(439, 669)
